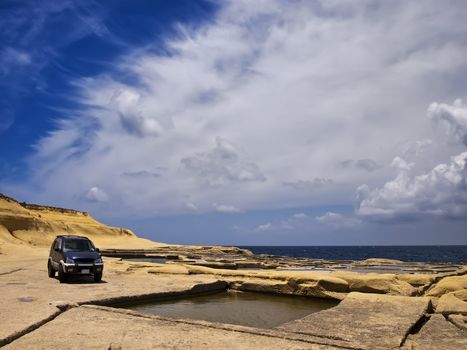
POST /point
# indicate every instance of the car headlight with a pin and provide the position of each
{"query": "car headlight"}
(98, 261)
(69, 261)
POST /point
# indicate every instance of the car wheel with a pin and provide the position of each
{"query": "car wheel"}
(97, 276)
(50, 270)
(62, 275)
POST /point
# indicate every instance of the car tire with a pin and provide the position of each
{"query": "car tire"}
(97, 277)
(62, 275)
(50, 270)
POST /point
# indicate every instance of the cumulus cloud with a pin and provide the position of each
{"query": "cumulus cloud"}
(192, 206)
(226, 208)
(453, 118)
(440, 192)
(329, 217)
(96, 194)
(284, 225)
(132, 116)
(337, 220)
(300, 216)
(223, 164)
(415, 148)
(264, 227)
(259, 92)
(295, 222)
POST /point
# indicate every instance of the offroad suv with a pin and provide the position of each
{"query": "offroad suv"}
(74, 255)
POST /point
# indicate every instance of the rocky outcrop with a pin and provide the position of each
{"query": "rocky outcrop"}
(321, 288)
(453, 303)
(447, 285)
(438, 334)
(376, 283)
(365, 320)
(37, 225)
(91, 327)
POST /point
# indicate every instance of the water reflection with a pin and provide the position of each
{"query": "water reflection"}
(242, 308)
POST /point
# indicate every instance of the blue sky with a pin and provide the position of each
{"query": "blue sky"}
(241, 122)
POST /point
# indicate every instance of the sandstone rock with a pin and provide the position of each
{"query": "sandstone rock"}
(460, 321)
(453, 303)
(365, 320)
(263, 286)
(379, 261)
(447, 285)
(417, 280)
(299, 283)
(169, 269)
(284, 287)
(93, 328)
(38, 225)
(375, 283)
(438, 334)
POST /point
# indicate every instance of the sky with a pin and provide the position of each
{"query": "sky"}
(236, 122)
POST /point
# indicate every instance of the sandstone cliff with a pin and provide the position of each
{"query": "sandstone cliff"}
(37, 225)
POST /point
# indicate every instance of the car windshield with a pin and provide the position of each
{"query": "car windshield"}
(77, 245)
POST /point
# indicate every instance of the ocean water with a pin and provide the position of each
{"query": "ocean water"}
(436, 254)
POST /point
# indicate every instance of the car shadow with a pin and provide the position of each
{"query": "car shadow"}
(81, 280)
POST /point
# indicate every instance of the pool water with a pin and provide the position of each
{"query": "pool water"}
(241, 308)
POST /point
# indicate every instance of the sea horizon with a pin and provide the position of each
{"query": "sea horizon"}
(454, 254)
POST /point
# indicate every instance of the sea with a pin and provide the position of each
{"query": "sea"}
(454, 254)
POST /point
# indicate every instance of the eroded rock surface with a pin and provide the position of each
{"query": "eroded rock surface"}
(94, 328)
(28, 296)
(40, 313)
(453, 303)
(370, 320)
(438, 334)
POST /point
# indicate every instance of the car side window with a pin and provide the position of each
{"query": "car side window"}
(57, 244)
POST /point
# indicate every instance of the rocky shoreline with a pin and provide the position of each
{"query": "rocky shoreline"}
(384, 304)
(377, 311)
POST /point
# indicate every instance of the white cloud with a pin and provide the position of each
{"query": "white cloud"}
(453, 117)
(130, 109)
(222, 164)
(439, 192)
(226, 208)
(95, 194)
(281, 226)
(401, 165)
(191, 206)
(337, 220)
(265, 227)
(300, 216)
(259, 105)
(415, 148)
(329, 217)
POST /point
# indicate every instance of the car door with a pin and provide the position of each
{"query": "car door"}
(56, 253)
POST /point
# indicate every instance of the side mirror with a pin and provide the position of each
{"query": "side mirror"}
(98, 250)
(56, 249)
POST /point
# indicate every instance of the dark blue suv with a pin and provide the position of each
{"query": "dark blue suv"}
(74, 255)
